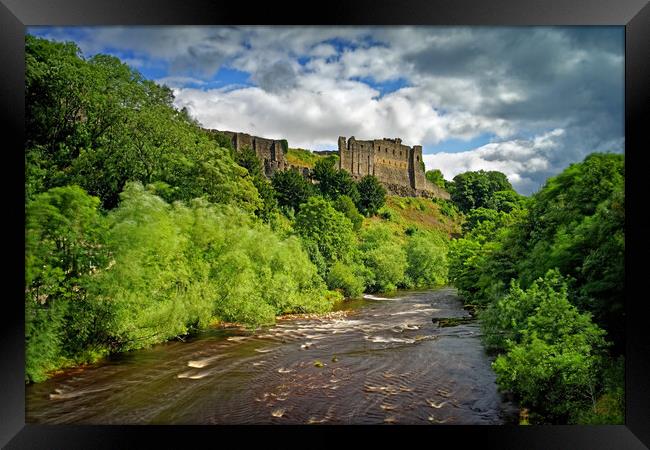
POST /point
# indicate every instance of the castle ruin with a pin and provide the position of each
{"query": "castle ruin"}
(397, 166)
(268, 151)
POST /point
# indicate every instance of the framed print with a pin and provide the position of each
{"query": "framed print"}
(384, 215)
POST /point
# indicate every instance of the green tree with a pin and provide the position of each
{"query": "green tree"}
(333, 182)
(342, 276)
(372, 195)
(435, 176)
(553, 366)
(292, 189)
(426, 256)
(98, 123)
(477, 189)
(384, 258)
(345, 205)
(64, 235)
(320, 223)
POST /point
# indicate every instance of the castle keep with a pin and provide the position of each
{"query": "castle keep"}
(397, 166)
(268, 151)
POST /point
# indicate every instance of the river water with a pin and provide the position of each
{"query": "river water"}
(377, 360)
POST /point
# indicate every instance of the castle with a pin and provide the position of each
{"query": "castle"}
(268, 151)
(397, 166)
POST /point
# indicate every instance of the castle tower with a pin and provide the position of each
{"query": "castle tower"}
(344, 155)
(419, 179)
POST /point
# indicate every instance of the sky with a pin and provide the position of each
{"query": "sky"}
(526, 101)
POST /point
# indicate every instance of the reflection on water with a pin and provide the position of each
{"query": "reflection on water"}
(385, 361)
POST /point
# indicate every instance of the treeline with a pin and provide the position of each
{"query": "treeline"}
(141, 226)
(547, 274)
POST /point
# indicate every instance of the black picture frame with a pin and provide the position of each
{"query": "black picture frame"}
(15, 15)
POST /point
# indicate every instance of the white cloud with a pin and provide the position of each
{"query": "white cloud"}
(520, 160)
(562, 86)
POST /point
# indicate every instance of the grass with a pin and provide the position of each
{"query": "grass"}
(302, 158)
(406, 214)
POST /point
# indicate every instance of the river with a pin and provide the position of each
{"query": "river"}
(381, 359)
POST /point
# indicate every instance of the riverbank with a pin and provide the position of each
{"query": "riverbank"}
(384, 361)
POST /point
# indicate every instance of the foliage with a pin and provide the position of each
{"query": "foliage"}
(291, 189)
(151, 271)
(342, 277)
(247, 158)
(553, 358)
(64, 235)
(345, 205)
(477, 189)
(435, 177)
(181, 265)
(384, 258)
(221, 139)
(333, 182)
(98, 123)
(329, 229)
(268, 206)
(372, 196)
(426, 256)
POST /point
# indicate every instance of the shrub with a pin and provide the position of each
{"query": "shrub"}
(426, 256)
(342, 277)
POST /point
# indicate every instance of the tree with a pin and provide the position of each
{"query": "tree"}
(320, 223)
(332, 182)
(64, 244)
(247, 158)
(372, 195)
(426, 256)
(341, 276)
(292, 189)
(476, 189)
(554, 357)
(99, 124)
(345, 205)
(435, 176)
(384, 259)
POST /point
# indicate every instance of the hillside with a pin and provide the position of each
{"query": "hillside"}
(302, 158)
(406, 214)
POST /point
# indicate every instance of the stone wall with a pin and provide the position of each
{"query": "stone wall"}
(269, 151)
(397, 166)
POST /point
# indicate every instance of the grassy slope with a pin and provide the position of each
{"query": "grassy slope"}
(420, 213)
(302, 158)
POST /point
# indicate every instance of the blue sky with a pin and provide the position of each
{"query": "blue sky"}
(524, 101)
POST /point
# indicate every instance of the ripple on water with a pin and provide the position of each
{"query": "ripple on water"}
(375, 370)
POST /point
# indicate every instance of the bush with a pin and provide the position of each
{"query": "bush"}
(291, 188)
(426, 256)
(384, 258)
(372, 195)
(553, 354)
(345, 205)
(342, 277)
(319, 222)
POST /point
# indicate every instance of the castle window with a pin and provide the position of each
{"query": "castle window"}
(393, 152)
(418, 158)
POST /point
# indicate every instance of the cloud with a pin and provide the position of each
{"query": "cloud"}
(526, 163)
(547, 96)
